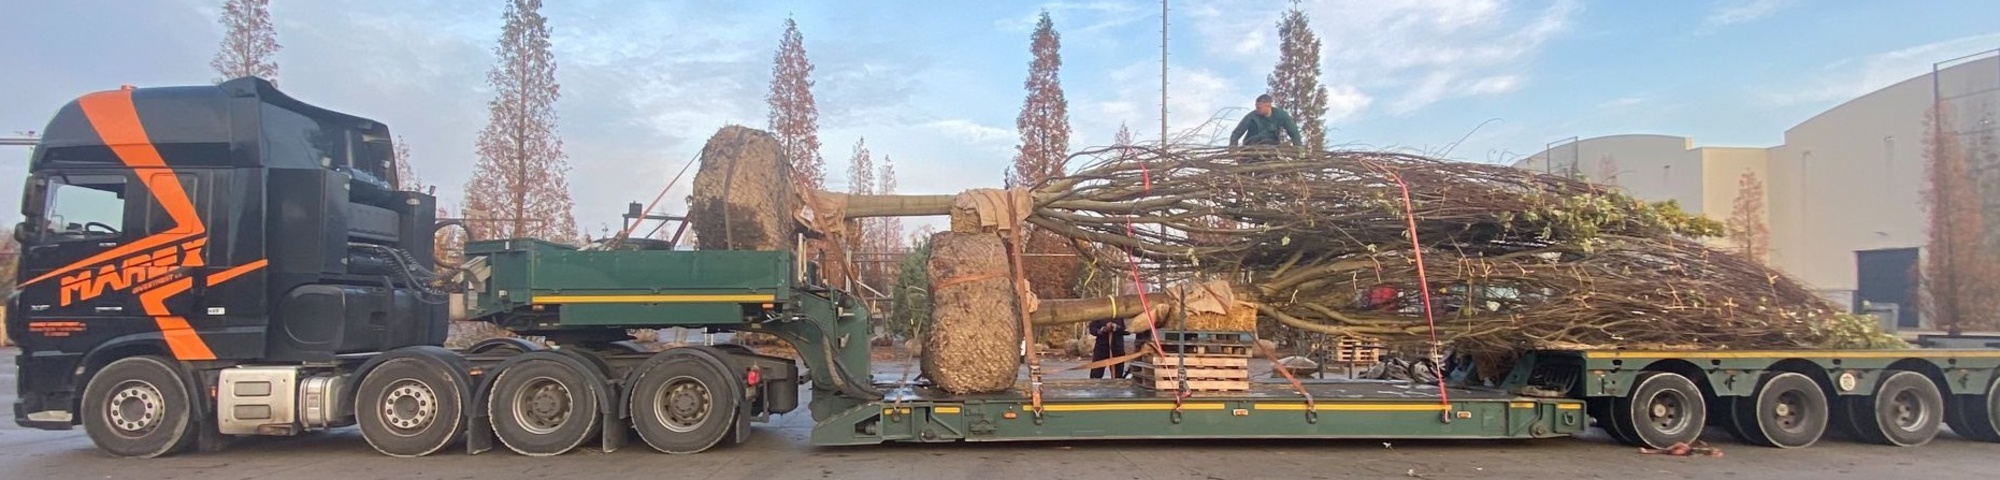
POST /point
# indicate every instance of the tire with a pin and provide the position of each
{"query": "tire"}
(1601, 410)
(138, 407)
(1663, 409)
(1906, 410)
(1973, 416)
(1788, 411)
(544, 406)
(410, 406)
(1722, 413)
(685, 403)
(1849, 412)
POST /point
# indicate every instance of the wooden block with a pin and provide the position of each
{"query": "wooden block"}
(1201, 373)
(1171, 360)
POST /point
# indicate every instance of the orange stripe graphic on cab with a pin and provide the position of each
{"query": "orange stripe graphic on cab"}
(116, 120)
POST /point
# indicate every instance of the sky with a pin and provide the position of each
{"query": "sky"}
(935, 86)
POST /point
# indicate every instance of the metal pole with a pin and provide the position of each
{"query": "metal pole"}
(19, 141)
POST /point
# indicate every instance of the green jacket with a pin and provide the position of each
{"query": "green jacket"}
(1261, 130)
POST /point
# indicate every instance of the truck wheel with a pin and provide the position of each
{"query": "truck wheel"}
(1722, 413)
(1789, 411)
(684, 404)
(1972, 416)
(1601, 410)
(1906, 410)
(138, 407)
(410, 406)
(543, 406)
(1663, 409)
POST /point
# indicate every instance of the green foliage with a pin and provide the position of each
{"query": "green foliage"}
(910, 299)
(1582, 217)
(1847, 331)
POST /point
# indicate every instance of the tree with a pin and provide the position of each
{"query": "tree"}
(910, 298)
(520, 187)
(890, 228)
(406, 174)
(1961, 279)
(1044, 118)
(1607, 170)
(248, 42)
(794, 115)
(1294, 83)
(1747, 229)
(862, 233)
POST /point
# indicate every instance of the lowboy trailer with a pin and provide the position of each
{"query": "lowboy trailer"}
(208, 262)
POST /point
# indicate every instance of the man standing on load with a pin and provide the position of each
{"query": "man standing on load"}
(1265, 126)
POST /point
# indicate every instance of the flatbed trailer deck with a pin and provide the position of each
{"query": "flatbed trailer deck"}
(1272, 408)
(1636, 396)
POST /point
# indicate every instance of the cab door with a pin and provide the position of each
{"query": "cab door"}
(76, 223)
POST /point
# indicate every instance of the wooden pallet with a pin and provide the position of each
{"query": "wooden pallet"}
(1168, 372)
(1172, 360)
(1203, 373)
(1359, 351)
(1189, 336)
(1205, 349)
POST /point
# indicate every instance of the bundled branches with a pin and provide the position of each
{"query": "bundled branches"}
(1514, 259)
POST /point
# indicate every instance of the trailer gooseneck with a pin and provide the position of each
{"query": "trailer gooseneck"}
(207, 262)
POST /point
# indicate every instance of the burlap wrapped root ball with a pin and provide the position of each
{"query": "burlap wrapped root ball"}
(974, 344)
(743, 197)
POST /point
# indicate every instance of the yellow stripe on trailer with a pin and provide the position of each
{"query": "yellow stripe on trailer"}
(945, 410)
(1113, 407)
(1358, 407)
(1569, 406)
(1779, 354)
(555, 299)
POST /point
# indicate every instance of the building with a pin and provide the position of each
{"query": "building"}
(1840, 195)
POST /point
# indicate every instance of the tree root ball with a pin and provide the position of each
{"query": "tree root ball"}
(743, 197)
(975, 339)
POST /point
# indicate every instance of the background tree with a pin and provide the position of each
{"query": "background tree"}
(1294, 83)
(520, 188)
(248, 42)
(1607, 170)
(1044, 118)
(862, 235)
(794, 114)
(888, 229)
(909, 297)
(1049, 262)
(1961, 280)
(1748, 231)
(406, 174)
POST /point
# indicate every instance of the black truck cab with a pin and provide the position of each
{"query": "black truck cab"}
(213, 226)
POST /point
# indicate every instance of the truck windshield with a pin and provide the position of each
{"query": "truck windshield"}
(85, 206)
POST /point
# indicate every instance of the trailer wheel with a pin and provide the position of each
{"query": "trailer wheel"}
(1789, 411)
(1663, 409)
(543, 406)
(1600, 409)
(1974, 416)
(410, 406)
(1906, 410)
(138, 407)
(685, 403)
(1722, 413)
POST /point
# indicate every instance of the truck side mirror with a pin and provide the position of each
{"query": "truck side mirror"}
(34, 196)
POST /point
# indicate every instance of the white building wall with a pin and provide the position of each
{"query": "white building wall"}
(1847, 180)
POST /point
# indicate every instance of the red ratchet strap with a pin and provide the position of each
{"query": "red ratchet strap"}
(1424, 284)
(1146, 304)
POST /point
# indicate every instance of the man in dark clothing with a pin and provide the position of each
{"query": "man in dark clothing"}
(1110, 343)
(1266, 125)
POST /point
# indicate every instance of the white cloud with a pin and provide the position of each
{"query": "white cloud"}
(1412, 52)
(970, 131)
(1732, 12)
(1857, 76)
(1622, 102)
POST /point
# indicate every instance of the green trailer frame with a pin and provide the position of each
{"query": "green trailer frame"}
(1641, 397)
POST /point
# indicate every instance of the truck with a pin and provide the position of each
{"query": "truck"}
(203, 263)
